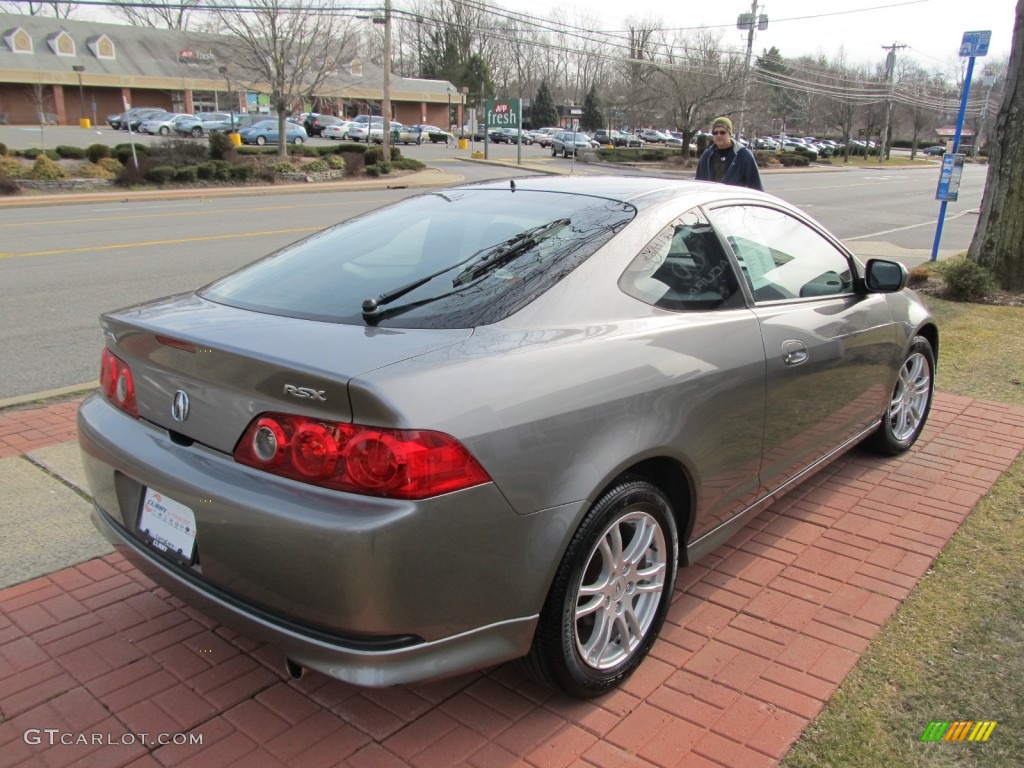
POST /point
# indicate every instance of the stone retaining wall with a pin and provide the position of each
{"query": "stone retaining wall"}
(318, 176)
(64, 184)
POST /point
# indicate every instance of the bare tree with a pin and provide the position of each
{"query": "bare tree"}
(997, 240)
(290, 47)
(159, 14)
(33, 8)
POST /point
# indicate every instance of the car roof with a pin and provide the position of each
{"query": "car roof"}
(639, 191)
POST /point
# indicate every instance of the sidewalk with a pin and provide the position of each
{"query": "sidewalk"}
(759, 637)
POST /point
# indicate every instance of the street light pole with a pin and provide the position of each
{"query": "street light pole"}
(79, 69)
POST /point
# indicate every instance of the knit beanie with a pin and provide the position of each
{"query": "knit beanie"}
(725, 122)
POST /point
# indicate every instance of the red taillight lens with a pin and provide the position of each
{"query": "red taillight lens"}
(399, 464)
(116, 383)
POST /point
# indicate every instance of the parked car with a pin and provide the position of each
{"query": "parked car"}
(268, 132)
(655, 137)
(935, 150)
(436, 135)
(622, 139)
(314, 124)
(337, 131)
(162, 125)
(410, 134)
(120, 120)
(205, 123)
(490, 421)
(569, 143)
(511, 136)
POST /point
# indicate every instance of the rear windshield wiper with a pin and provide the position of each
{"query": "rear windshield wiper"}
(487, 258)
(495, 257)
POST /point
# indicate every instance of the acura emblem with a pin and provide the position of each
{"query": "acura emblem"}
(179, 409)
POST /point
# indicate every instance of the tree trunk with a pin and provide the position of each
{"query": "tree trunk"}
(999, 238)
(282, 135)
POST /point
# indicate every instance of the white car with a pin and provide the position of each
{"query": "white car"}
(161, 125)
(338, 130)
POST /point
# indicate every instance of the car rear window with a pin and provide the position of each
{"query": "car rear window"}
(447, 259)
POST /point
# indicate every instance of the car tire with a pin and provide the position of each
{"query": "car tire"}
(164, 130)
(261, 140)
(908, 407)
(565, 154)
(610, 594)
(297, 140)
(196, 132)
(554, 152)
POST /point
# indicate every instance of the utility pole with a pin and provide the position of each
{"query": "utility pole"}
(386, 107)
(890, 66)
(748, 21)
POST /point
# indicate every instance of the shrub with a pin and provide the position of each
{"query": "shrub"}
(792, 159)
(159, 174)
(123, 152)
(407, 164)
(336, 162)
(206, 172)
(265, 174)
(11, 167)
(93, 171)
(372, 156)
(70, 153)
(96, 152)
(222, 169)
(373, 170)
(179, 152)
(965, 280)
(3, 149)
(111, 164)
(241, 172)
(130, 176)
(317, 166)
(35, 152)
(186, 174)
(220, 146)
(919, 275)
(8, 186)
(46, 169)
(284, 166)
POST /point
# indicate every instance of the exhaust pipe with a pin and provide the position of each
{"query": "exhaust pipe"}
(293, 668)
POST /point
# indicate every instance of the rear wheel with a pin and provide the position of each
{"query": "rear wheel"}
(911, 399)
(610, 593)
(298, 140)
(197, 132)
(164, 130)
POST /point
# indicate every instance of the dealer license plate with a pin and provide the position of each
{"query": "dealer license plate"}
(169, 526)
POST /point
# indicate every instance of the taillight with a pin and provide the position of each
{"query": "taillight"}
(116, 383)
(394, 463)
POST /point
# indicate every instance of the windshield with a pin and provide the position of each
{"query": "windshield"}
(412, 259)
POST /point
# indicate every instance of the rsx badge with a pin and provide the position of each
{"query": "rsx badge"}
(305, 393)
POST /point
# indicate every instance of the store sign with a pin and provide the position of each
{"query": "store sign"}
(502, 113)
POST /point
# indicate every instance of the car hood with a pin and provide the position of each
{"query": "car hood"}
(234, 364)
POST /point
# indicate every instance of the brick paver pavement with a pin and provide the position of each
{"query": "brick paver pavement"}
(759, 636)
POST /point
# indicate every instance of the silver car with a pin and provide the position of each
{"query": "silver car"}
(497, 427)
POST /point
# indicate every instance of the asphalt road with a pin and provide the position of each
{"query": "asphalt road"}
(61, 266)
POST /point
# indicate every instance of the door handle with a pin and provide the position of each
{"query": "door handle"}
(794, 352)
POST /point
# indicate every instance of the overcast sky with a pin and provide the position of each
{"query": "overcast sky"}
(932, 29)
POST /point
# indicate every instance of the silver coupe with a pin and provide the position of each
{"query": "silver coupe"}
(491, 421)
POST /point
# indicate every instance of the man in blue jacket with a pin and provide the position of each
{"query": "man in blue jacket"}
(728, 162)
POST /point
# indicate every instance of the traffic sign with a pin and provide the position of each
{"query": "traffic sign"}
(975, 43)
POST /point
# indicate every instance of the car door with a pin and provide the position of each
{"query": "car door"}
(713, 407)
(829, 346)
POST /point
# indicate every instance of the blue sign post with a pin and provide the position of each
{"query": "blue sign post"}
(973, 44)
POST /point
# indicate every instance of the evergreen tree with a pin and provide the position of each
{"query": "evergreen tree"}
(593, 115)
(544, 113)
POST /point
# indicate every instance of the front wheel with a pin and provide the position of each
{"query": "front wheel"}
(261, 140)
(298, 140)
(197, 132)
(610, 594)
(164, 130)
(911, 399)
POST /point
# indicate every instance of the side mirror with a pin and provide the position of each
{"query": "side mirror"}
(884, 276)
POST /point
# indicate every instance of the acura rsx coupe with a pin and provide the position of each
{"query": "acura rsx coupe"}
(497, 427)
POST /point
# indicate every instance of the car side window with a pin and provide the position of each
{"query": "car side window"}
(781, 257)
(683, 268)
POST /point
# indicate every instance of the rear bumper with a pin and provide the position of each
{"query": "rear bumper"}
(482, 647)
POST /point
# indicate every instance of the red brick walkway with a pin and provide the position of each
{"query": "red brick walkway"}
(760, 635)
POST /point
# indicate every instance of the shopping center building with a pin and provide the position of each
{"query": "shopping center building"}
(64, 71)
